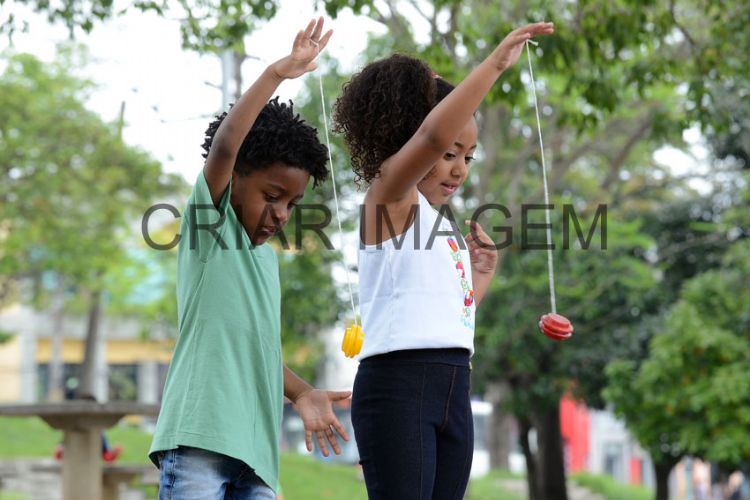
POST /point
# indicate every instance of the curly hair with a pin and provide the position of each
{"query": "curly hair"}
(381, 108)
(278, 135)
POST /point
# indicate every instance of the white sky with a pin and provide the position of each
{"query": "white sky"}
(138, 58)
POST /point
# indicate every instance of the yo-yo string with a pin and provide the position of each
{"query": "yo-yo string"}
(335, 198)
(550, 267)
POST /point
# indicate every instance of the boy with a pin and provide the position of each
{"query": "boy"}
(218, 431)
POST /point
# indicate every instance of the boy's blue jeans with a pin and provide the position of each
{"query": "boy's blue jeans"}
(193, 473)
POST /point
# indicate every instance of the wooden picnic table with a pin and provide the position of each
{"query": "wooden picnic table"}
(82, 423)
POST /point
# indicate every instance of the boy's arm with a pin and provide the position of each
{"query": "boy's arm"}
(294, 385)
(238, 122)
(402, 171)
(315, 408)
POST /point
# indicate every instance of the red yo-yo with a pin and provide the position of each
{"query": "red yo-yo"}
(556, 326)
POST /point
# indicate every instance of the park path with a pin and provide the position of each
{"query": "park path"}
(18, 476)
(575, 492)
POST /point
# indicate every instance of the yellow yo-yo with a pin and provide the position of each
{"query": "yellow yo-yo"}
(352, 343)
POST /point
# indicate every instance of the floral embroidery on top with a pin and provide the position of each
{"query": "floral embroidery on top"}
(468, 292)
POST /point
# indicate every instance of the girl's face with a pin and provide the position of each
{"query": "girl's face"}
(452, 169)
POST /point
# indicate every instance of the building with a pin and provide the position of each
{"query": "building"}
(132, 362)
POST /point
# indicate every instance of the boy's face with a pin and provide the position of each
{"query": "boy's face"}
(264, 199)
(452, 169)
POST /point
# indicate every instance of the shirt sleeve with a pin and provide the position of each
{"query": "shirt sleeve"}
(206, 226)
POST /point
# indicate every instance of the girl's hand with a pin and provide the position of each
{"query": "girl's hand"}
(507, 53)
(316, 410)
(481, 249)
(307, 45)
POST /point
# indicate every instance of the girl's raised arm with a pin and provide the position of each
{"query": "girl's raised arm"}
(401, 172)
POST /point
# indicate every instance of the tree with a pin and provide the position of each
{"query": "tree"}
(690, 396)
(71, 189)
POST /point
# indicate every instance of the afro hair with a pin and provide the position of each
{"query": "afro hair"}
(381, 108)
(278, 135)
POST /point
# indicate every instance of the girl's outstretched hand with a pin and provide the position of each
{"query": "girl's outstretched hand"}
(307, 45)
(507, 53)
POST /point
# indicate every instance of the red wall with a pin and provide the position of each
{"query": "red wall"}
(575, 428)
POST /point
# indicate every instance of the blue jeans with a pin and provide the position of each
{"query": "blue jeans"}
(193, 473)
(413, 424)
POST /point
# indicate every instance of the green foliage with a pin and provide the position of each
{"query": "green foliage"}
(217, 25)
(598, 290)
(690, 396)
(656, 430)
(310, 304)
(5, 336)
(333, 7)
(206, 25)
(72, 191)
(72, 13)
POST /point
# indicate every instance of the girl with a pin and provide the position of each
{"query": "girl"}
(411, 136)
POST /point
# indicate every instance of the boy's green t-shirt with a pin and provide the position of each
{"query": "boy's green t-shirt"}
(224, 388)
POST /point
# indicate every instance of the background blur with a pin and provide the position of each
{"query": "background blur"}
(646, 122)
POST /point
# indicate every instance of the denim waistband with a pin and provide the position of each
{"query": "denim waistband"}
(451, 356)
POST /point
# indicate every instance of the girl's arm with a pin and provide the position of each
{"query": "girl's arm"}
(483, 256)
(402, 171)
(238, 122)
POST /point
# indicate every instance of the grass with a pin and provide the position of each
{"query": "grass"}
(490, 487)
(302, 477)
(9, 495)
(611, 489)
(30, 437)
(26, 437)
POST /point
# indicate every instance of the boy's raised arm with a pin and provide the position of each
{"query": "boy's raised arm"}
(228, 138)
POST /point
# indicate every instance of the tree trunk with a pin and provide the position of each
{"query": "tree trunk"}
(90, 359)
(238, 58)
(524, 427)
(56, 365)
(500, 427)
(662, 471)
(550, 455)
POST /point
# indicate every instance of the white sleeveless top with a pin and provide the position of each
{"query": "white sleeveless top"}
(415, 290)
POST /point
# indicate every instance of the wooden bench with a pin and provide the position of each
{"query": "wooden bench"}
(114, 476)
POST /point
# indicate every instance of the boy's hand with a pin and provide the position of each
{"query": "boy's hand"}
(307, 45)
(507, 53)
(317, 414)
(481, 249)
